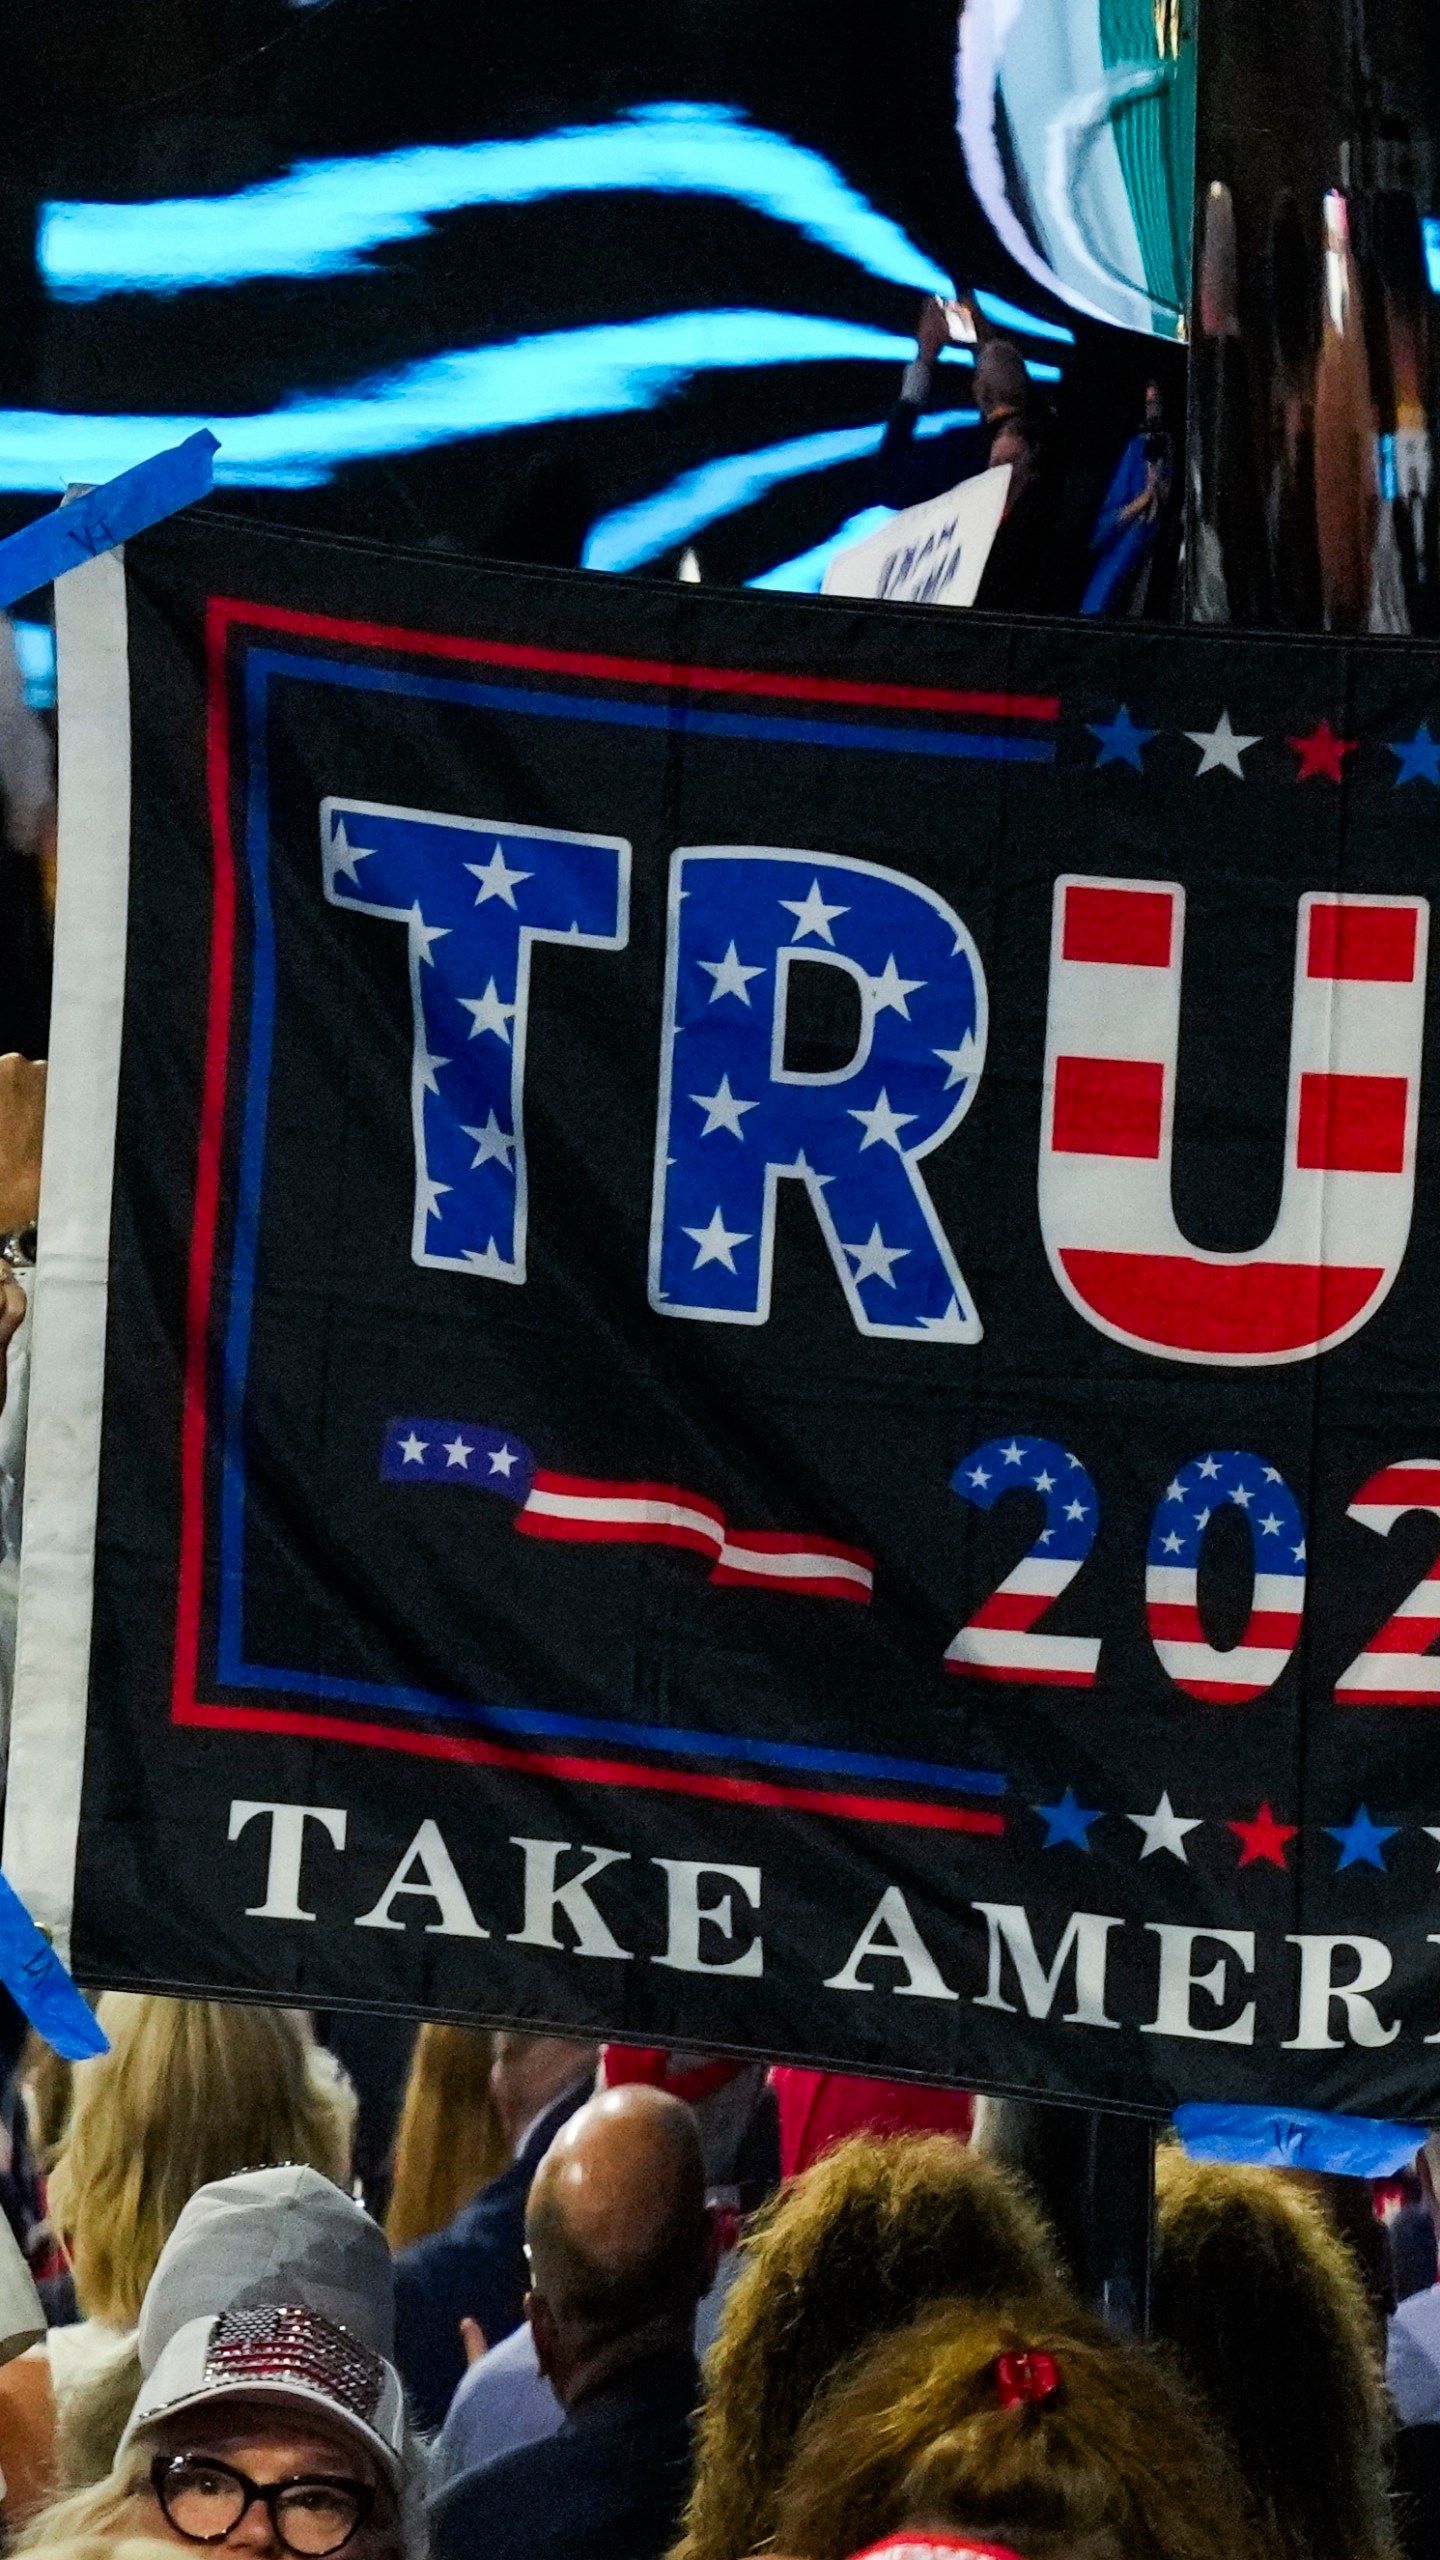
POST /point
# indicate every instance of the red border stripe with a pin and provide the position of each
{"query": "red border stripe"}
(468, 1748)
(652, 671)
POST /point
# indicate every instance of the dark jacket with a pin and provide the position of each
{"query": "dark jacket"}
(1024, 573)
(474, 2268)
(609, 2485)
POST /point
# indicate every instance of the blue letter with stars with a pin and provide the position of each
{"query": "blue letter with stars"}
(734, 1118)
(474, 895)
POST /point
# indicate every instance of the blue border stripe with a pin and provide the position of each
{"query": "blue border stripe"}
(680, 718)
(231, 1666)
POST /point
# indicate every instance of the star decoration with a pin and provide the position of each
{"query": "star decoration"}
(730, 976)
(882, 1125)
(951, 1327)
(1322, 753)
(1165, 1829)
(502, 1461)
(430, 1195)
(428, 1067)
(1263, 1840)
(716, 1243)
(496, 879)
(873, 1260)
(1012, 1453)
(342, 856)
(978, 1475)
(962, 1062)
(413, 1450)
(458, 1452)
(491, 1264)
(423, 934)
(722, 1110)
(1120, 741)
(1419, 756)
(1360, 1840)
(1065, 1823)
(812, 915)
(1172, 1545)
(889, 991)
(492, 1142)
(1221, 748)
(488, 1014)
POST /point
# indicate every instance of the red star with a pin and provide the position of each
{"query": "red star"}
(1263, 1838)
(1321, 753)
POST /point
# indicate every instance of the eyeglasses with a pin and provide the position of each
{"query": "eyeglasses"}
(311, 2515)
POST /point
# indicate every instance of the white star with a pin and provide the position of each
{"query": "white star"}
(812, 915)
(491, 1264)
(1243, 1495)
(1045, 1537)
(1013, 1455)
(1202, 1519)
(882, 1126)
(1299, 1552)
(716, 1243)
(1076, 1510)
(427, 1067)
(951, 1327)
(413, 1450)
(1270, 1524)
(431, 1195)
(1221, 749)
(502, 1461)
(488, 1014)
(1209, 1466)
(889, 991)
(1273, 1475)
(730, 975)
(722, 1110)
(1174, 1491)
(423, 934)
(1165, 1829)
(803, 1165)
(491, 1142)
(458, 1452)
(496, 879)
(873, 1259)
(342, 855)
(962, 1062)
(1172, 1545)
(978, 1475)
(1044, 1483)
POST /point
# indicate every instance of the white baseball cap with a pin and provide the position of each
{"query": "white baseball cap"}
(274, 2285)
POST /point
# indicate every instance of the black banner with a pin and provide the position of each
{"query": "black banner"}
(770, 1374)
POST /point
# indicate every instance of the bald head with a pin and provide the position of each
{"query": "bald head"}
(616, 2225)
(1001, 381)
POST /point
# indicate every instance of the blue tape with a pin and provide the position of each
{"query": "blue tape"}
(1299, 2138)
(160, 487)
(39, 1984)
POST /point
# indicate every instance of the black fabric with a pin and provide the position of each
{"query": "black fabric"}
(474, 2269)
(370, 1733)
(610, 2484)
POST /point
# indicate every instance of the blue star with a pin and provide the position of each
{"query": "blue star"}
(1065, 1821)
(1419, 757)
(1362, 1840)
(1120, 740)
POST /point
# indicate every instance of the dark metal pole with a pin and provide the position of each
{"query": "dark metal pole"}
(1094, 2173)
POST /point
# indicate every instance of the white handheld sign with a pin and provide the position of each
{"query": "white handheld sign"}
(930, 554)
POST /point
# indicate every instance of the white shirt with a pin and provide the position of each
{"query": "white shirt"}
(1412, 2360)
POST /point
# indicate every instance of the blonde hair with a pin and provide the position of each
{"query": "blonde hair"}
(92, 2418)
(449, 2143)
(846, 2253)
(92, 2513)
(1262, 2301)
(190, 2090)
(917, 2433)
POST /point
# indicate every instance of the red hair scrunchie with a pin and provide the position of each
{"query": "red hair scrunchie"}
(1025, 2374)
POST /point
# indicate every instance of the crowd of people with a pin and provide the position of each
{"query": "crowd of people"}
(615, 2304)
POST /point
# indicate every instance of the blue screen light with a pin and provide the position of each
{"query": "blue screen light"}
(327, 217)
(35, 649)
(802, 576)
(1430, 230)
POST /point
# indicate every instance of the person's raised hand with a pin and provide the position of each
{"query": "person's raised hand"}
(473, 2339)
(22, 1127)
(932, 330)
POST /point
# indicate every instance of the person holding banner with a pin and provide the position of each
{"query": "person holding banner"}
(1016, 425)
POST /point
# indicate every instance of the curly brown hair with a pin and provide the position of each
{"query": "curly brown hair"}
(846, 2254)
(1260, 2299)
(916, 2434)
